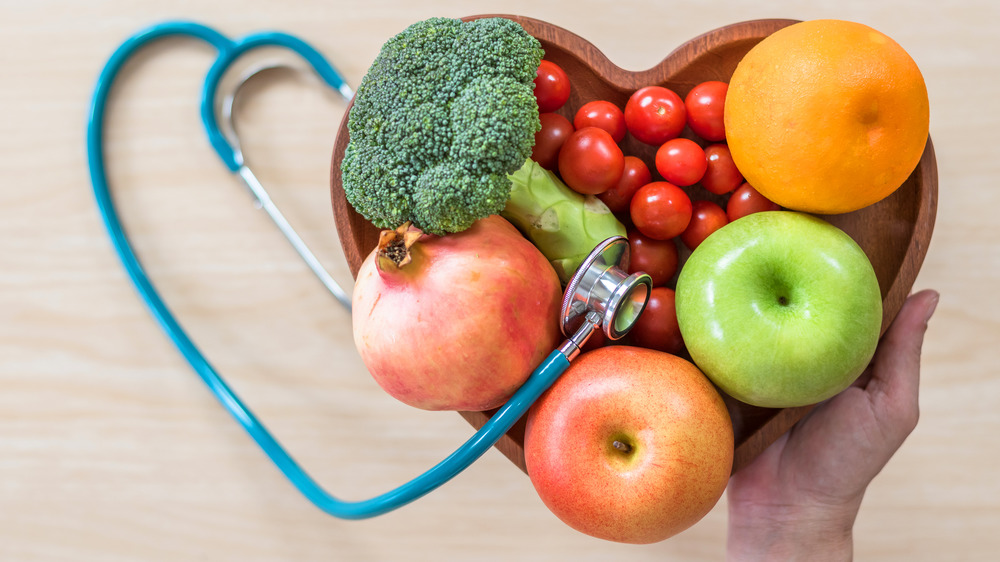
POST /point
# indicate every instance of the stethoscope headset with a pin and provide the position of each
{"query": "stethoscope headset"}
(600, 296)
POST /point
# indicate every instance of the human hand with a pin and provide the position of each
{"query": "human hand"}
(798, 500)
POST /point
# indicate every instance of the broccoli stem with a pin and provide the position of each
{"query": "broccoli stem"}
(563, 224)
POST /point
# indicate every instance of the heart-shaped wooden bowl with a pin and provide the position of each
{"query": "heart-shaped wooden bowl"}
(894, 233)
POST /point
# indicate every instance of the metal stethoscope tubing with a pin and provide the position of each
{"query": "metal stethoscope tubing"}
(599, 297)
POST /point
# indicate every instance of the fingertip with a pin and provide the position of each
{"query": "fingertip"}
(895, 381)
(903, 341)
(919, 306)
(911, 321)
(931, 298)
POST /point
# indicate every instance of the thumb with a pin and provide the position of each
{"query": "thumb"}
(893, 388)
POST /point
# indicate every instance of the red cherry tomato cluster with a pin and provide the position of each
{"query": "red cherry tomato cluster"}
(699, 189)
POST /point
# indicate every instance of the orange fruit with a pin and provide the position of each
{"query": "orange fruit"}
(826, 116)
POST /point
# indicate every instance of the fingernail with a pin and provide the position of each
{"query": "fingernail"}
(932, 306)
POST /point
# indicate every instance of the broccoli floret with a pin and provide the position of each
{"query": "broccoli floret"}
(444, 113)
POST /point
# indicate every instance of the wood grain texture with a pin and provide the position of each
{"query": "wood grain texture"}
(112, 450)
(895, 233)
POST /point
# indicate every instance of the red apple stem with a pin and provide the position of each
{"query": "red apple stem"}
(623, 447)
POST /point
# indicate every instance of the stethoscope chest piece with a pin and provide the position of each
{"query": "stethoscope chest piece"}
(601, 285)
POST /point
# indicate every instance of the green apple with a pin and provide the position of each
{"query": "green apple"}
(779, 309)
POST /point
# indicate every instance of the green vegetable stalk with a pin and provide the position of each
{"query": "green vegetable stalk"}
(563, 224)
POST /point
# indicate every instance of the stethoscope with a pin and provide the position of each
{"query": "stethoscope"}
(600, 296)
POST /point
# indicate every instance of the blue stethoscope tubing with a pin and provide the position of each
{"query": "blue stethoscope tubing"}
(228, 51)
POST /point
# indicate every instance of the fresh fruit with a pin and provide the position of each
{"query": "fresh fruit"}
(826, 116)
(635, 175)
(654, 115)
(706, 218)
(455, 322)
(779, 309)
(552, 86)
(681, 161)
(590, 161)
(705, 104)
(657, 258)
(550, 138)
(596, 340)
(660, 210)
(657, 326)
(631, 445)
(745, 201)
(603, 115)
(721, 175)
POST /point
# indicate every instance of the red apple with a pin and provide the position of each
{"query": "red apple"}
(630, 445)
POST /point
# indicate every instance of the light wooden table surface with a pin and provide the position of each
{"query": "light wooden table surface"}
(112, 449)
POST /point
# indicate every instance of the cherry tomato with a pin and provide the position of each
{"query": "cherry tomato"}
(596, 340)
(551, 87)
(603, 115)
(722, 175)
(654, 115)
(658, 258)
(704, 105)
(660, 210)
(746, 200)
(657, 326)
(635, 175)
(590, 161)
(706, 218)
(681, 161)
(550, 138)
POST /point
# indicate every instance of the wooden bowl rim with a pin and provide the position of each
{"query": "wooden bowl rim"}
(590, 56)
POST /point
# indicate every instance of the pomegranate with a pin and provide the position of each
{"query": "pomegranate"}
(455, 322)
